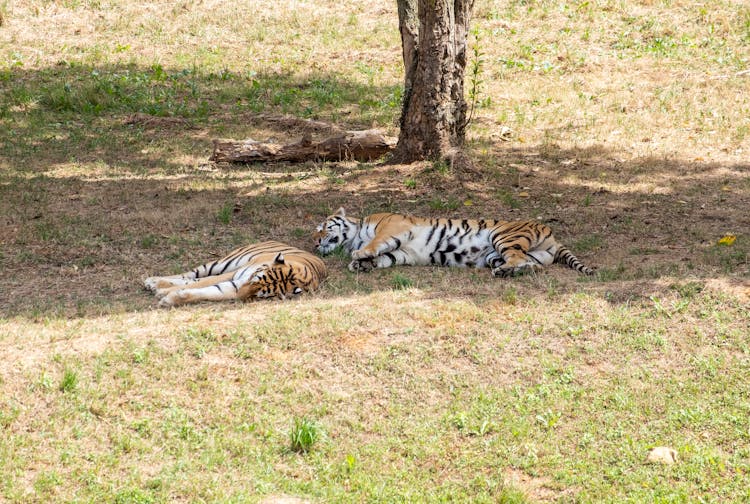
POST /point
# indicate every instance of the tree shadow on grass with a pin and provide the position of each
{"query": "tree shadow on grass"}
(77, 246)
(124, 203)
(79, 113)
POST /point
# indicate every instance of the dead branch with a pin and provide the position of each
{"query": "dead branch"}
(365, 145)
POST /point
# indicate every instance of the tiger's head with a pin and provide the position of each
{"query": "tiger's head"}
(279, 279)
(337, 230)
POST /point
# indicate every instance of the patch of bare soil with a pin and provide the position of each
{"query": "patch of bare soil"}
(736, 287)
(537, 489)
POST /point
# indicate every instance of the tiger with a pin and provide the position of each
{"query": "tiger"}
(382, 240)
(263, 270)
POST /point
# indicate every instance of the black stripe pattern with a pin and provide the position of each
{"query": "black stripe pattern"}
(384, 240)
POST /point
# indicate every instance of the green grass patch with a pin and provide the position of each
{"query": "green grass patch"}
(401, 282)
(442, 204)
(588, 243)
(549, 387)
(69, 381)
(225, 213)
(303, 435)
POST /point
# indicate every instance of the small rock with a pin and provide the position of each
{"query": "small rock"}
(662, 455)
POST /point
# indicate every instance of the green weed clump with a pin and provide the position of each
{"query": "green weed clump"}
(69, 381)
(401, 282)
(225, 213)
(304, 434)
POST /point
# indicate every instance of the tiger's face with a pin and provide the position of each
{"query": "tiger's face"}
(335, 231)
(277, 280)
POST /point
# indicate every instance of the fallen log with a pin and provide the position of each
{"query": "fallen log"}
(364, 145)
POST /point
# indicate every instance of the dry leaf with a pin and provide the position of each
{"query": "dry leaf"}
(727, 240)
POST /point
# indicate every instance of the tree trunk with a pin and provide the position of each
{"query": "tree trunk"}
(408, 25)
(433, 118)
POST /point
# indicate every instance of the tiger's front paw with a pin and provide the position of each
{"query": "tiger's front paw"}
(360, 254)
(363, 265)
(174, 298)
(151, 283)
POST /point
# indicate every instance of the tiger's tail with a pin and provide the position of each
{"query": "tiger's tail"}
(566, 257)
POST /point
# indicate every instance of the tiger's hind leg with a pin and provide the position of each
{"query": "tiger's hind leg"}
(518, 265)
(509, 260)
(511, 271)
(516, 262)
(520, 248)
(512, 261)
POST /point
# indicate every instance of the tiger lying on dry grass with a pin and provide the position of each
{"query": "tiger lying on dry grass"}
(386, 239)
(263, 270)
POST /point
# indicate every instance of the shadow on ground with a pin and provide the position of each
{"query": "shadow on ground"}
(90, 204)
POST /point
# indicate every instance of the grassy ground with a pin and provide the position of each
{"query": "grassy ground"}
(623, 124)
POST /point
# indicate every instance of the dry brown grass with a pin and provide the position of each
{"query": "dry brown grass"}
(629, 136)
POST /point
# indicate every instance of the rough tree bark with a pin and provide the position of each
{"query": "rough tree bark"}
(434, 39)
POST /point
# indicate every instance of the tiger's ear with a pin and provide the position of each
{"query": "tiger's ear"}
(340, 212)
(279, 259)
